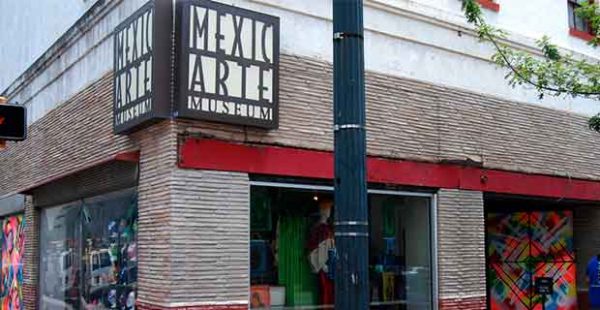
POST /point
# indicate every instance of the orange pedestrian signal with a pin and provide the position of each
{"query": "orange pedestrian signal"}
(13, 122)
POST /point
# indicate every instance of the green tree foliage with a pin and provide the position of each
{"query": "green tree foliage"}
(553, 72)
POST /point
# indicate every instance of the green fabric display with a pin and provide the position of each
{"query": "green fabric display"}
(294, 270)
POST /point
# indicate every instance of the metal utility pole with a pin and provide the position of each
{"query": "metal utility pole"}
(351, 214)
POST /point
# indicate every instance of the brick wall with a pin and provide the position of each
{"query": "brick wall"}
(461, 250)
(72, 136)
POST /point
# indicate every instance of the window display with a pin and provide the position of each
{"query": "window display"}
(89, 254)
(292, 248)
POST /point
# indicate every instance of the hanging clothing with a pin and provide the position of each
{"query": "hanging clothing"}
(319, 245)
(326, 286)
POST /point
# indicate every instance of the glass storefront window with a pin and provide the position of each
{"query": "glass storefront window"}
(292, 246)
(400, 252)
(59, 245)
(88, 257)
(109, 252)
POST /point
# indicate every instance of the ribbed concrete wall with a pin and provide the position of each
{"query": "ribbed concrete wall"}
(31, 255)
(413, 120)
(157, 160)
(193, 229)
(210, 238)
(461, 249)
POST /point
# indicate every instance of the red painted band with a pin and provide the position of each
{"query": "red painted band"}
(581, 34)
(490, 5)
(146, 306)
(132, 156)
(196, 153)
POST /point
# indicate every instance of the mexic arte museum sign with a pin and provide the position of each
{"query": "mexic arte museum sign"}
(226, 65)
(142, 67)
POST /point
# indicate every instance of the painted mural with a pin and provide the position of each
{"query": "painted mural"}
(523, 246)
(13, 241)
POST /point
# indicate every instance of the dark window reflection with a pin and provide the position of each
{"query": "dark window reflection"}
(89, 254)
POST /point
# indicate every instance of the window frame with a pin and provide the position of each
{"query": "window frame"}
(373, 189)
(584, 34)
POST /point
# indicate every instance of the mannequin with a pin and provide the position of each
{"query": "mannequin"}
(320, 244)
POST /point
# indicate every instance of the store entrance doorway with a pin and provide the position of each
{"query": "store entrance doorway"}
(525, 241)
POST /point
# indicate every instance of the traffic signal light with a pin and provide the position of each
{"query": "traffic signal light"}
(13, 122)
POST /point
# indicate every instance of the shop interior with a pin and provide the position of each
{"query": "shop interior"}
(293, 251)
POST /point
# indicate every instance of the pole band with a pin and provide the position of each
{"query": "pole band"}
(351, 223)
(347, 126)
(342, 35)
(351, 234)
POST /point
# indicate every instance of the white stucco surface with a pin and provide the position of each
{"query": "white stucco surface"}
(426, 40)
(29, 27)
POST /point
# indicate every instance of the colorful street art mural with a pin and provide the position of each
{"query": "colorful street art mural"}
(523, 246)
(13, 242)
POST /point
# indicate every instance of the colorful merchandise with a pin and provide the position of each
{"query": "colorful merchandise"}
(524, 246)
(260, 297)
(13, 246)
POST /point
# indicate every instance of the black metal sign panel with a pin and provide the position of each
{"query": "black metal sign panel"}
(142, 67)
(228, 64)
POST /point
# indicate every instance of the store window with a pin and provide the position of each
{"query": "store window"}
(292, 245)
(88, 253)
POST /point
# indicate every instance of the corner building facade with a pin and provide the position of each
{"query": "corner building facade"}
(475, 190)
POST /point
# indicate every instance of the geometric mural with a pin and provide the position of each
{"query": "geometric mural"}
(13, 247)
(523, 246)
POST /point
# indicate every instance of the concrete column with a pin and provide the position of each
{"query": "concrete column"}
(193, 230)
(31, 255)
(158, 158)
(461, 250)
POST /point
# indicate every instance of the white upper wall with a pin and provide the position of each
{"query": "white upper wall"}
(29, 27)
(425, 40)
